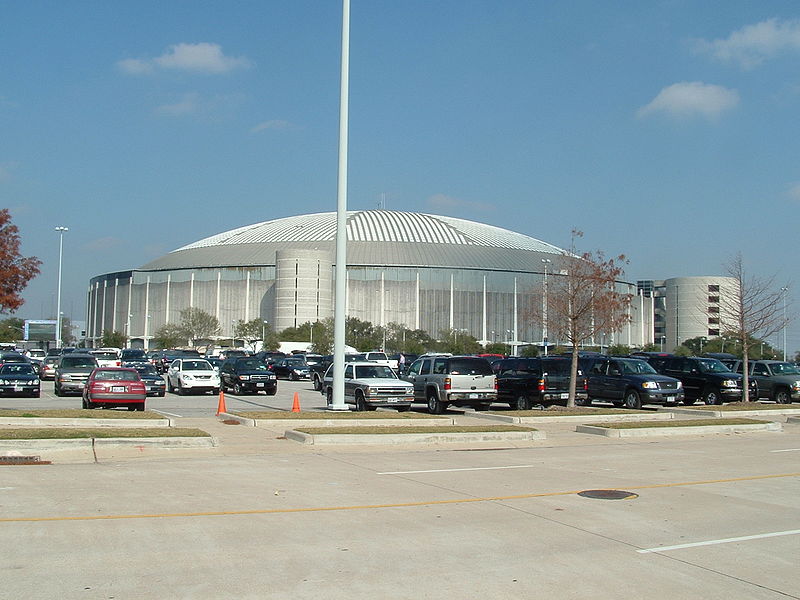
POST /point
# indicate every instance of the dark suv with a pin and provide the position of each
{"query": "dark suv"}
(631, 382)
(774, 380)
(705, 379)
(523, 382)
(247, 375)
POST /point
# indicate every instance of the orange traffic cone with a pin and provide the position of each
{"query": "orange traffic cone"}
(296, 403)
(221, 406)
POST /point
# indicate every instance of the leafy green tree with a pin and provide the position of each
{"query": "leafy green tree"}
(15, 270)
(113, 339)
(253, 330)
(67, 339)
(529, 351)
(197, 324)
(682, 351)
(497, 348)
(651, 348)
(457, 342)
(323, 337)
(11, 329)
(170, 336)
(619, 350)
(316, 333)
(362, 335)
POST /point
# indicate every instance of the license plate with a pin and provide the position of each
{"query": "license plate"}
(259, 385)
(565, 396)
(17, 388)
(474, 396)
(117, 388)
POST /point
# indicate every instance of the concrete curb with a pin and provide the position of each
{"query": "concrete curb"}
(793, 420)
(777, 412)
(608, 418)
(15, 447)
(413, 438)
(675, 431)
(323, 422)
(82, 423)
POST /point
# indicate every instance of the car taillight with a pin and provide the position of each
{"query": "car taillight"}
(119, 363)
(447, 383)
(496, 387)
(585, 384)
(541, 385)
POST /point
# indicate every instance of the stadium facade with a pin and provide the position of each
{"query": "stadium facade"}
(422, 271)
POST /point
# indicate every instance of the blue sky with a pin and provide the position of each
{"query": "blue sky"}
(667, 131)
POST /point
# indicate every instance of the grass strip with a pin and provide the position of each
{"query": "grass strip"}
(414, 429)
(333, 415)
(64, 433)
(734, 406)
(79, 413)
(679, 423)
(569, 412)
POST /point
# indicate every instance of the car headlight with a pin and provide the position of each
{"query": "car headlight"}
(186, 376)
(680, 384)
(796, 386)
(649, 385)
(244, 377)
(371, 391)
(35, 382)
(730, 383)
(3, 382)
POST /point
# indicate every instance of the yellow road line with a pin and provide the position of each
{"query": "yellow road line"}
(271, 511)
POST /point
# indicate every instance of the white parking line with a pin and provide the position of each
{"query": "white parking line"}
(722, 541)
(161, 412)
(787, 450)
(454, 470)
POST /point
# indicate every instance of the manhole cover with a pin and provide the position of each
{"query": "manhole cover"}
(22, 460)
(608, 494)
(231, 422)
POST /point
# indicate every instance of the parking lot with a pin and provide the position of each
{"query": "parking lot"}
(263, 517)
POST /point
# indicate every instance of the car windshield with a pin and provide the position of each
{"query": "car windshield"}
(785, 368)
(470, 366)
(296, 362)
(197, 365)
(16, 369)
(116, 375)
(636, 367)
(78, 361)
(251, 365)
(711, 365)
(374, 372)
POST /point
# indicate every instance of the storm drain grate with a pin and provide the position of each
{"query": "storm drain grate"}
(608, 494)
(23, 460)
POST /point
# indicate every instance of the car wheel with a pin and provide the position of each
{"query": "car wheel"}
(83, 402)
(170, 389)
(237, 389)
(329, 397)
(521, 402)
(583, 401)
(180, 391)
(316, 383)
(132, 408)
(57, 391)
(435, 406)
(783, 397)
(711, 396)
(272, 392)
(361, 404)
(293, 376)
(162, 394)
(632, 400)
(140, 407)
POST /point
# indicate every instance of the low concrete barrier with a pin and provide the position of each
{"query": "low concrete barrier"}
(82, 423)
(588, 418)
(412, 438)
(674, 431)
(323, 422)
(699, 412)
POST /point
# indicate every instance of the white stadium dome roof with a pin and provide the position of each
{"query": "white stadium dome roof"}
(375, 238)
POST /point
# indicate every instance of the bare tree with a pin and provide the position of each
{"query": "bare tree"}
(752, 311)
(583, 300)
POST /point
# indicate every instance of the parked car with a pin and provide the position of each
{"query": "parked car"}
(631, 382)
(192, 375)
(109, 387)
(774, 379)
(379, 357)
(153, 381)
(19, 379)
(107, 357)
(705, 379)
(319, 368)
(130, 355)
(368, 385)
(440, 381)
(247, 375)
(72, 372)
(523, 382)
(48, 369)
(291, 367)
(13, 357)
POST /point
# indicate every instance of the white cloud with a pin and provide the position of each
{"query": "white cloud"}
(444, 202)
(753, 44)
(189, 104)
(794, 192)
(273, 124)
(199, 58)
(691, 98)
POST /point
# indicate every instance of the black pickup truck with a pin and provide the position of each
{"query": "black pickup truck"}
(523, 382)
(775, 380)
(705, 379)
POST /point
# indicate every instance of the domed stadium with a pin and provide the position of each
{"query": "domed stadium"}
(422, 271)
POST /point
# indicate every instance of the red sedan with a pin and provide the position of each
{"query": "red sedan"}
(114, 386)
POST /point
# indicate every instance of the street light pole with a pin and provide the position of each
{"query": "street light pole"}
(60, 231)
(546, 262)
(784, 291)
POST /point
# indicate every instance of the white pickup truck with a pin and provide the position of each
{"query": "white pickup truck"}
(381, 358)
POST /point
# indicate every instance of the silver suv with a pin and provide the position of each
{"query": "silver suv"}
(440, 381)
